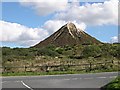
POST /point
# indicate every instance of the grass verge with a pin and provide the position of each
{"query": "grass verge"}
(51, 73)
(114, 85)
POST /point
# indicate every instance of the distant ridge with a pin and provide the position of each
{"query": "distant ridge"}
(68, 35)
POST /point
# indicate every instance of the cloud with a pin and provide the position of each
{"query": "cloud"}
(13, 32)
(81, 25)
(91, 14)
(54, 25)
(45, 7)
(114, 39)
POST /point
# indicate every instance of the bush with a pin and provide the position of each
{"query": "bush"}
(51, 47)
(45, 51)
(91, 51)
(67, 48)
(6, 51)
(59, 50)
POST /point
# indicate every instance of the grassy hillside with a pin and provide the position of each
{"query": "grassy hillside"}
(96, 57)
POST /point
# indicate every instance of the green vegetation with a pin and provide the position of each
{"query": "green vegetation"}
(114, 85)
(103, 50)
(92, 51)
(80, 58)
(48, 73)
(41, 73)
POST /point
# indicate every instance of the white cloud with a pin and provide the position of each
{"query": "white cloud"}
(45, 7)
(54, 25)
(13, 32)
(91, 14)
(81, 25)
(114, 39)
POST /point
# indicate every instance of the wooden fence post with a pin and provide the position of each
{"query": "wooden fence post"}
(90, 66)
(25, 68)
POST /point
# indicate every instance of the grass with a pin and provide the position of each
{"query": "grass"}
(38, 73)
(114, 85)
(50, 73)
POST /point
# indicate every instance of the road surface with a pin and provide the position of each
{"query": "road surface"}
(95, 80)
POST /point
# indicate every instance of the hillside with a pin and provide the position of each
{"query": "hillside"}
(68, 35)
(87, 58)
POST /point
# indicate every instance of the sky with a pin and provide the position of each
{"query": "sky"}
(27, 22)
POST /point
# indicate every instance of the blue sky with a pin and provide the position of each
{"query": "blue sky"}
(14, 12)
(27, 18)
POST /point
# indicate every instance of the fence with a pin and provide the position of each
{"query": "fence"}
(61, 67)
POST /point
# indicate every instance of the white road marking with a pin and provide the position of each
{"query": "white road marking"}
(74, 78)
(112, 76)
(26, 85)
(4, 81)
(88, 78)
(66, 79)
(101, 77)
(9, 81)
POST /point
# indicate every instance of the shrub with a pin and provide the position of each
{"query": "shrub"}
(91, 51)
(45, 51)
(59, 50)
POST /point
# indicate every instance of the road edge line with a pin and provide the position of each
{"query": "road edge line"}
(26, 85)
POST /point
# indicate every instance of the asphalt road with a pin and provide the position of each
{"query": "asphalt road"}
(95, 80)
